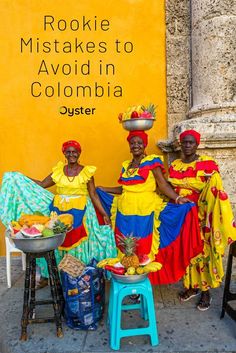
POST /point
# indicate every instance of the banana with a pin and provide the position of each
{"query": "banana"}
(108, 261)
(102, 263)
(113, 261)
(152, 267)
(139, 109)
(158, 265)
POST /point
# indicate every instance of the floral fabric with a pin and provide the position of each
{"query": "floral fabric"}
(201, 182)
(20, 194)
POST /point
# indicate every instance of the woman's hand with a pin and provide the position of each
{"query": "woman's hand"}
(107, 220)
(166, 189)
(181, 200)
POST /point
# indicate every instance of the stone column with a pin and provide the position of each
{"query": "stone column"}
(213, 85)
(178, 61)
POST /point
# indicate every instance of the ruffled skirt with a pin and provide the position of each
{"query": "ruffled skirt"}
(166, 232)
(20, 194)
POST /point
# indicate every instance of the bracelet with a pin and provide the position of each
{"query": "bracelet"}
(177, 198)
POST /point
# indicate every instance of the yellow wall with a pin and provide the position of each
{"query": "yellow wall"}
(32, 129)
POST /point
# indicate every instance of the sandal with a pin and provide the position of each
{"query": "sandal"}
(188, 294)
(204, 302)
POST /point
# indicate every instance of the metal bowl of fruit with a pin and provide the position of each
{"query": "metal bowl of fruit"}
(138, 124)
(129, 278)
(36, 244)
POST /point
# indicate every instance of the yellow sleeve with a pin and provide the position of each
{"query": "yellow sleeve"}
(207, 158)
(87, 173)
(57, 172)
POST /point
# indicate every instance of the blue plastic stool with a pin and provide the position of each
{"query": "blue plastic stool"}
(118, 291)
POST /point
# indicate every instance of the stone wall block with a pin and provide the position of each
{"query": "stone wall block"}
(178, 64)
(178, 94)
(174, 119)
(177, 17)
(217, 130)
(177, 57)
(208, 9)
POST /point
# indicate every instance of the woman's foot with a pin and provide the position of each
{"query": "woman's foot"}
(187, 294)
(205, 301)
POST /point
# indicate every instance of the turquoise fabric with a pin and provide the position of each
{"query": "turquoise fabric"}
(20, 195)
(100, 243)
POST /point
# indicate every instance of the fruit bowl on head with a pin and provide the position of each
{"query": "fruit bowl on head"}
(138, 117)
(138, 124)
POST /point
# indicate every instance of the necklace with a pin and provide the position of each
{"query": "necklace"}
(131, 171)
(132, 167)
(71, 178)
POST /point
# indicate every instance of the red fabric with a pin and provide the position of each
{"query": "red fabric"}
(176, 257)
(193, 133)
(73, 237)
(193, 197)
(207, 166)
(71, 143)
(143, 245)
(140, 134)
(143, 172)
(188, 173)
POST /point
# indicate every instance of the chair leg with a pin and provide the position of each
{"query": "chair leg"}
(8, 268)
(23, 258)
(152, 319)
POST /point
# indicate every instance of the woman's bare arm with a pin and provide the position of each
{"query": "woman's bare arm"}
(165, 187)
(45, 183)
(96, 201)
(112, 190)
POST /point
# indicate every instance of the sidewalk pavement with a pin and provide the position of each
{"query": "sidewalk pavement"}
(182, 328)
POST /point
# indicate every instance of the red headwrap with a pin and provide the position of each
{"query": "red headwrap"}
(193, 133)
(140, 134)
(71, 143)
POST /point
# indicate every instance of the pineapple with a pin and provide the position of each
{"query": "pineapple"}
(150, 109)
(59, 227)
(128, 245)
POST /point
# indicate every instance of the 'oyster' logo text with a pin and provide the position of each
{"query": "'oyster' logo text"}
(63, 110)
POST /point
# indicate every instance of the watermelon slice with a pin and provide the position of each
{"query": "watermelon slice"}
(144, 260)
(31, 232)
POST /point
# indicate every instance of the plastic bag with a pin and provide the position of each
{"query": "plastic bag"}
(84, 297)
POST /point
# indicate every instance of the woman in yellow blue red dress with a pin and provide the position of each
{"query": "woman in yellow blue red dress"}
(137, 208)
(197, 178)
(75, 194)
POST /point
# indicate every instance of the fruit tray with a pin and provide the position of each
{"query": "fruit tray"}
(138, 124)
(36, 245)
(129, 278)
